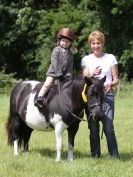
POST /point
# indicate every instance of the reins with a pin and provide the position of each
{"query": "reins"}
(84, 99)
(75, 114)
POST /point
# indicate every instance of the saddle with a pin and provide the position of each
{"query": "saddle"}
(42, 102)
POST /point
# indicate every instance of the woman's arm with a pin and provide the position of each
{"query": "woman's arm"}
(115, 79)
(86, 72)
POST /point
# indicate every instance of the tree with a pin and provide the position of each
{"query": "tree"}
(28, 35)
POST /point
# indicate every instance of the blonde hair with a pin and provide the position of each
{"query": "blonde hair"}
(96, 35)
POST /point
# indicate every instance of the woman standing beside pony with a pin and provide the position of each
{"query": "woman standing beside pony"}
(100, 64)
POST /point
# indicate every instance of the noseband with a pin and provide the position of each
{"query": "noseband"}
(93, 105)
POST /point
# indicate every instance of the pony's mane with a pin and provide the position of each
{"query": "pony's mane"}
(75, 84)
(78, 83)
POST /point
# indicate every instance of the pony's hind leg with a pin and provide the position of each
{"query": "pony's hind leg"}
(18, 133)
(22, 135)
(13, 131)
(26, 137)
(15, 144)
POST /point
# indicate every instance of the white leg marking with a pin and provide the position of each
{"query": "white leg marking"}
(59, 129)
(16, 147)
(60, 126)
(70, 153)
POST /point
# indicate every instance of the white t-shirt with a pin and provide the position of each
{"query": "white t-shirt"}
(105, 62)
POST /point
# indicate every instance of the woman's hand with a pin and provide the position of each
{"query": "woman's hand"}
(107, 87)
(86, 72)
(97, 71)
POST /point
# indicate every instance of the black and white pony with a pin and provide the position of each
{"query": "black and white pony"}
(63, 111)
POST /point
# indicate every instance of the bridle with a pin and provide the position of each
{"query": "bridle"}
(90, 105)
(84, 97)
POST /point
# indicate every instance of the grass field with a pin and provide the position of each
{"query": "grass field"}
(40, 161)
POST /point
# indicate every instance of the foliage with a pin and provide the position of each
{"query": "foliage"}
(6, 79)
(28, 35)
(126, 61)
(7, 82)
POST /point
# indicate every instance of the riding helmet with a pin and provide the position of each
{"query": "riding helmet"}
(66, 33)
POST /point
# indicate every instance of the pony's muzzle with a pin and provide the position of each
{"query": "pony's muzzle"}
(96, 112)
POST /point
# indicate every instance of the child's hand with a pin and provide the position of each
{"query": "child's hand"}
(61, 78)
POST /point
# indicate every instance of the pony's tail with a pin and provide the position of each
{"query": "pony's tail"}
(12, 124)
(14, 128)
(10, 129)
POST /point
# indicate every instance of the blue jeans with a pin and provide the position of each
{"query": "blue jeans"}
(108, 128)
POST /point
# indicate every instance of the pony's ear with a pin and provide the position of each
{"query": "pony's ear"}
(88, 81)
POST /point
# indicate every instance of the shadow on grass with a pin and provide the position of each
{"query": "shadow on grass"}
(52, 153)
(124, 157)
(127, 156)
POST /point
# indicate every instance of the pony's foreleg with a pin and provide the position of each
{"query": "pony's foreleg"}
(59, 129)
(70, 153)
(15, 143)
(72, 130)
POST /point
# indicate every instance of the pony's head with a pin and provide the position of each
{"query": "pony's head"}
(94, 96)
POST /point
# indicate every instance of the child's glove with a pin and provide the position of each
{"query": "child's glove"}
(61, 78)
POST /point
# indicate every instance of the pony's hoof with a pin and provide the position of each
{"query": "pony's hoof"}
(16, 154)
(70, 160)
(57, 160)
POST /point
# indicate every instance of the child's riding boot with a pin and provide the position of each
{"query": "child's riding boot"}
(39, 102)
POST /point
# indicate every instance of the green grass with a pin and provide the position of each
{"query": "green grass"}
(40, 161)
